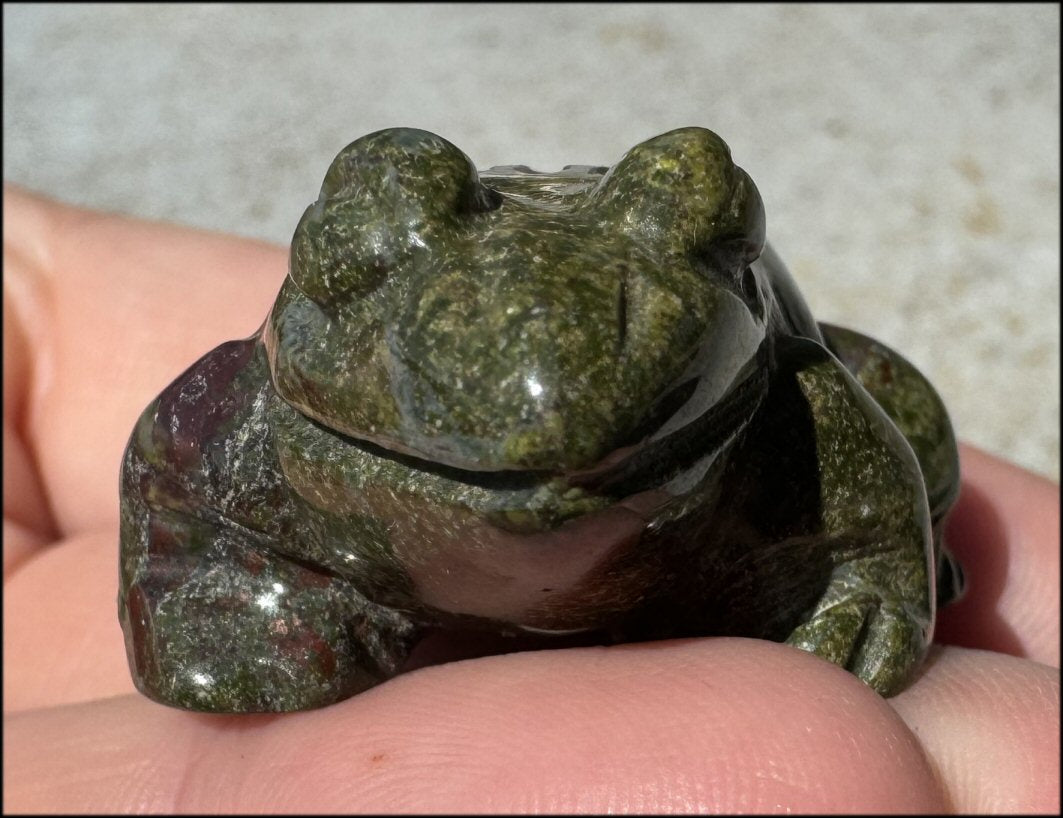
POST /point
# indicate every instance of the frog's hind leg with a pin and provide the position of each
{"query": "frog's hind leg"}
(221, 611)
(216, 622)
(916, 409)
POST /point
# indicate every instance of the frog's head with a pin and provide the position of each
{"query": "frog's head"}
(519, 320)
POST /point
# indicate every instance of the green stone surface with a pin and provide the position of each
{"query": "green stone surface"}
(589, 402)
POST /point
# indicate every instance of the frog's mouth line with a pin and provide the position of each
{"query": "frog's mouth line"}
(648, 467)
(501, 480)
(654, 465)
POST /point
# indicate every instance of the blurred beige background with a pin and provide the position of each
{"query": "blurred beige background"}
(908, 155)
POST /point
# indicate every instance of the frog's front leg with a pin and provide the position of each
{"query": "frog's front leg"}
(876, 614)
(220, 612)
(915, 407)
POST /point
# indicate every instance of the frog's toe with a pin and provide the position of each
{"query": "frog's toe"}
(892, 645)
(833, 633)
(877, 641)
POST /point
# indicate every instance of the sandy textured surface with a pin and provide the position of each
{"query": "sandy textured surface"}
(908, 156)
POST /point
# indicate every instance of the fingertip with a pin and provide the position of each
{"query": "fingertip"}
(722, 725)
(990, 725)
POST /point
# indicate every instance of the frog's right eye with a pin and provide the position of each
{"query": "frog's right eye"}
(383, 199)
(683, 189)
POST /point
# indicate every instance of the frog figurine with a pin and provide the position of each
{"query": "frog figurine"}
(585, 402)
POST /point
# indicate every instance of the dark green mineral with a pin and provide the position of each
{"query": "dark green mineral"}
(590, 401)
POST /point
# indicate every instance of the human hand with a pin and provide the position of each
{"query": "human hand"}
(101, 312)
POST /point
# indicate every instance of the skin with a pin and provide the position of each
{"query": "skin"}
(690, 725)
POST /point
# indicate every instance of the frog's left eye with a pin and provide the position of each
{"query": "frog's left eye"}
(383, 200)
(407, 173)
(682, 189)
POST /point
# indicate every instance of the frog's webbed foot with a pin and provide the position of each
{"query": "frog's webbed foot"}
(878, 641)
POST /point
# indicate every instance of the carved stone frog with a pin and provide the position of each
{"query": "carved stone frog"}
(590, 401)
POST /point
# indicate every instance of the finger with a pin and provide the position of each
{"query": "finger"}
(990, 726)
(724, 725)
(113, 309)
(1004, 531)
(27, 518)
(62, 640)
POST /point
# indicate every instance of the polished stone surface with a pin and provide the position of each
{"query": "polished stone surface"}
(590, 402)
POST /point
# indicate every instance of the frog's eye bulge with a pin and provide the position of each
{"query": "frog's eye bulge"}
(383, 198)
(682, 189)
